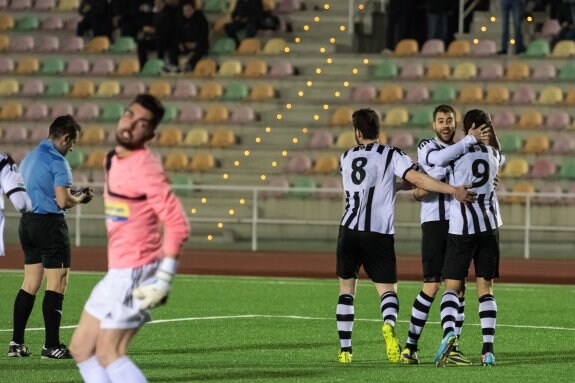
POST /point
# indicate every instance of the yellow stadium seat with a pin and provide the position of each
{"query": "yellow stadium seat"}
(249, 46)
(202, 161)
(471, 94)
(275, 46)
(160, 89)
(390, 93)
(517, 70)
(197, 137)
(205, 68)
(6, 22)
(4, 42)
(341, 116)
(176, 161)
(465, 71)
(564, 48)
(128, 66)
(230, 68)
(170, 136)
(219, 23)
(95, 159)
(515, 167)
(210, 90)
(570, 97)
(406, 47)
(530, 119)
(497, 94)
(269, 5)
(9, 87)
(536, 144)
(27, 65)
(261, 92)
(522, 187)
(326, 164)
(256, 68)
(108, 88)
(223, 138)
(68, 5)
(458, 48)
(98, 44)
(216, 114)
(438, 70)
(82, 89)
(396, 116)
(345, 140)
(92, 135)
(550, 95)
(382, 138)
(11, 110)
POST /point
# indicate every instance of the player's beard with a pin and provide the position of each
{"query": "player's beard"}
(127, 144)
(449, 139)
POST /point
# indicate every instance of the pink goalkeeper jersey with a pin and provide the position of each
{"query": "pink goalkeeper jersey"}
(139, 200)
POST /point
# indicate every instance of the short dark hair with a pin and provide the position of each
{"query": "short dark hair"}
(63, 125)
(153, 105)
(443, 109)
(367, 122)
(474, 116)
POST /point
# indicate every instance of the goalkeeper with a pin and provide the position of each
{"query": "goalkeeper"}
(139, 202)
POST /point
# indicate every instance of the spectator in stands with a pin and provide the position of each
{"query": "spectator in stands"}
(95, 19)
(438, 19)
(192, 37)
(516, 8)
(160, 35)
(130, 16)
(246, 15)
(399, 21)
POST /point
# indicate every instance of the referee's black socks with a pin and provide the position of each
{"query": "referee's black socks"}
(23, 305)
(52, 310)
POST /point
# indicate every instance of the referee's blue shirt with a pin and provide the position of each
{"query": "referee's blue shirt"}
(42, 170)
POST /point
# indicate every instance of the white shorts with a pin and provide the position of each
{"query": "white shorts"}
(111, 300)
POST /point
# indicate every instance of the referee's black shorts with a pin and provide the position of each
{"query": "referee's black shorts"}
(45, 239)
(375, 251)
(482, 248)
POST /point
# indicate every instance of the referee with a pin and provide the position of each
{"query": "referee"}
(44, 236)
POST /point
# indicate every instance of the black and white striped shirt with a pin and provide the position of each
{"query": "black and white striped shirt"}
(368, 173)
(478, 168)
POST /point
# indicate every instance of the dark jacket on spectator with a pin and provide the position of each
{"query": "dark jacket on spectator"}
(251, 10)
(195, 29)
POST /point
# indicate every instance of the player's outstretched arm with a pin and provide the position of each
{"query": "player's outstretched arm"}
(156, 293)
(428, 183)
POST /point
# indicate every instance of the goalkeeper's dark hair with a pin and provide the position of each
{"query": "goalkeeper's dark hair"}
(63, 125)
(153, 105)
(477, 117)
(367, 122)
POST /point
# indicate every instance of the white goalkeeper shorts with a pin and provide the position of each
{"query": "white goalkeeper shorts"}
(111, 300)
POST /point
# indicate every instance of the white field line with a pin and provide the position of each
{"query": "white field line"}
(297, 317)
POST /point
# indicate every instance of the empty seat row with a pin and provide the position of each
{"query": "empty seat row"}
(19, 43)
(537, 144)
(549, 194)
(41, 5)
(517, 167)
(31, 22)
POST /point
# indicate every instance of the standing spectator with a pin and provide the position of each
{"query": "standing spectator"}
(44, 235)
(246, 15)
(160, 35)
(138, 201)
(95, 19)
(366, 233)
(517, 9)
(11, 185)
(438, 19)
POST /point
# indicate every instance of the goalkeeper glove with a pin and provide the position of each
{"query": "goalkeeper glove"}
(156, 293)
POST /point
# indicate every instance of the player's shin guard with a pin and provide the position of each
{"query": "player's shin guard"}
(419, 314)
(449, 308)
(488, 318)
(345, 316)
(389, 307)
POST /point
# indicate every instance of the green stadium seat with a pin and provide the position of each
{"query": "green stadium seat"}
(27, 23)
(76, 158)
(223, 46)
(215, 6)
(152, 67)
(235, 91)
(422, 116)
(180, 179)
(307, 183)
(567, 72)
(567, 169)
(443, 93)
(538, 48)
(111, 112)
(52, 65)
(57, 88)
(171, 112)
(510, 143)
(124, 44)
(385, 70)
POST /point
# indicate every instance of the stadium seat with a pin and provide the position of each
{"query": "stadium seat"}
(543, 168)
(570, 97)
(170, 114)
(223, 46)
(6, 65)
(9, 87)
(411, 70)
(433, 47)
(249, 46)
(567, 169)
(385, 70)
(197, 137)
(544, 71)
(76, 158)
(320, 139)
(305, 184)
(396, 116)
(111, 112)
(517, 71)
(36, 111)
(230, 68)
(458, 48)
(504, 118)
(95, 159)
(288, 6)
(181, 184)
(27, 66)
(567, 72)
(563, 49)
(27, 23)
(15, 135)
(275, 46)
(557, 119)
(82, 89)
(438, 70)
(202, 161)
(363, 93)
(242, 114)
(510, 143)
(524, 94)
(261, 92)
(108, 88)
(406, 47)
(93, 135)
(216, 114)
(123, 44)
(184, 89)
(190, 113)
(152, 68)
(160, 89)
(299, 163)
(78, 66)
(551, 28)
(48, 44)
(176, 161)
(72, 44)
(554, 195)
(276, 182)
(133, 88)
(345, 140)
(417, 94)
(402, 140)
(98, 44)
(128, 66)
(471, 94)
(550, 95)
(4, 43)
(223, 138)
(491, 71)
(521, 187)
(102, 67)
(38, 134)
(538, 48)
(210, 90)
(88, 111)
(497, 94)
(57, 88)
(256, 68)
(281, 68)
(326, 164)
(170, 136)
(484, 48)
(11, 110)
(235, 91)
(464, 71)
(205, 68)
(341, 116)
(215, 6)
(563, 144)
(61, 109)
(515, 167)
(331, 183)
(422, 116)
(537, 144)
(390, 93)
(68, 5)
(530, 119)
(52, 66)
(32, 87)
(52, 23)
(442, 93)
(6, 22)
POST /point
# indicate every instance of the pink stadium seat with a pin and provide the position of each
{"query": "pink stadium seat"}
(491, 71)
(563, 144)
(433, 47)
(299, 163)
(88, 111)
(281, 69)
(19, 154)
(15, 135)
(551, 28)
(401, 140)
(133, 88)
(184, 89)
(6, 64)
(243, 114)
(411, 70)
(321, 139)
(72, 44)
(504, 118)
(71, 23)
(3, 3)
(570, 200)
(51, 23)
(417, 93)
(288, 6)
(61, 109)
(557, 119)
(103, 67)
(44, 5)
(32, 87)
(38, 134)
(48, 44)
(190, 113)
(21, 43)
(36, 111)
(544, 71)
(20, 5)
(524, 94)
(555, 197)
(543, 168)
(77, 66)
(280, 182)
(484, 48)
(364, 93)
(330, 183)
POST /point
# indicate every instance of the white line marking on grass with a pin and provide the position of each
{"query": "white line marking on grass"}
(298, 317)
